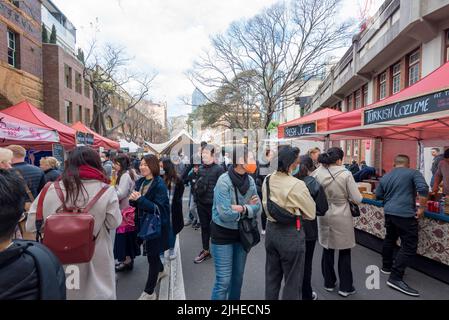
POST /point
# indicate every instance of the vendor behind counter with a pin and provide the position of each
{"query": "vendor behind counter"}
(442, 175)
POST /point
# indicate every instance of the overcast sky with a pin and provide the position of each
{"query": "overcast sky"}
(166, 35)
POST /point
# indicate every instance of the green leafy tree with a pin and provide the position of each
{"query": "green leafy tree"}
(53, 35)
(44, 34)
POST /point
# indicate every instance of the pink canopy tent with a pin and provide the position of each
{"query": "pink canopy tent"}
(99, 141)
(17, 131)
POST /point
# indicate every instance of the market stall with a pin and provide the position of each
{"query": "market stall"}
(129, 146)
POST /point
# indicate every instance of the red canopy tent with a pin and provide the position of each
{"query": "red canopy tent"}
(17, 131)
(321, 118)
(99, 141)
(29, 113)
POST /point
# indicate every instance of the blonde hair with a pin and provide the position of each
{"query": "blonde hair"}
(314, 150)
(51, 162)
(17, 151)
(6, 155)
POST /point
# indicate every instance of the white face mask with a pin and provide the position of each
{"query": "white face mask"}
(162, 172)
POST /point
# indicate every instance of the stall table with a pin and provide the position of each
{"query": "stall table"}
(433, 245)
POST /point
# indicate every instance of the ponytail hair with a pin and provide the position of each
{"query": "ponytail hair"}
(331, 156)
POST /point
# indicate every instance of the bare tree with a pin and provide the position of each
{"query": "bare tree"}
(107, 72)
(283, 48)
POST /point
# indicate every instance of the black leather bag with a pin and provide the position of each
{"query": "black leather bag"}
(248, 229)
(281, 215)
(355, 210)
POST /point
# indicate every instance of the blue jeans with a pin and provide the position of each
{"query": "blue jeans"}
(229, 263)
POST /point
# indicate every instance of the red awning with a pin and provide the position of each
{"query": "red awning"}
(346, 120)
(320, 117)
(99, 141)
(29, 113)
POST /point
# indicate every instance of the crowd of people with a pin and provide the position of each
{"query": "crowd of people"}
(137, 210)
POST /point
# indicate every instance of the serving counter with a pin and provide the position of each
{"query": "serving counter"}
(433, 245)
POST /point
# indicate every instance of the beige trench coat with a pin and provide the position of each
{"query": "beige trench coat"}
(336, 228)
(96, 278)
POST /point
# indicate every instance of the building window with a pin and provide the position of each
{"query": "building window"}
(358, 99)
(413, 67)
(80, 113)
(365, 95)
(396, 81)
(13, 49)
(87, 116)
(68, 112)
(447, 45)
(383, 86)
(109, 123)
(356, 150)
(349, 103)
(78, 83)
(87, 89)
(348, 149)
(68, 76)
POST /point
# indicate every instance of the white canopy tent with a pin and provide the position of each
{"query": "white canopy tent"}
(131, 146)
(181, 138)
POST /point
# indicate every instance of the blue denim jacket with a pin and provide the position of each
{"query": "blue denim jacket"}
(224, 198)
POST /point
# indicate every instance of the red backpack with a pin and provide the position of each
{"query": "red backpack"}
(68, 233)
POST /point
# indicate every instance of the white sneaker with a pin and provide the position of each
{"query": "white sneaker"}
(263, 232)
(146, 296)
(162, 275)
(172, 255)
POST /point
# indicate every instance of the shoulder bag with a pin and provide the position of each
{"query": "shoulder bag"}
(248, 229)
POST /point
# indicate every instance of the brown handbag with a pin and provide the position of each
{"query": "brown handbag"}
(69, 231)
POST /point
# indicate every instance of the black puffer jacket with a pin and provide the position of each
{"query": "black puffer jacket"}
(207, 179)
(319, 196)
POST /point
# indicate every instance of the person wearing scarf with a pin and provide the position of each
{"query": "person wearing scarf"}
(229, 255)
(82, 179)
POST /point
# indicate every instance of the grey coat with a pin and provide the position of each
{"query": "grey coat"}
(336, 228)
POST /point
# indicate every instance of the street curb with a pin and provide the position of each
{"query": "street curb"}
(172, 286)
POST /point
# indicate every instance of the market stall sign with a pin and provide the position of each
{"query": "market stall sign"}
(300, 130)
(14, 131)
(58, 153)
(84, 138)
(431, 103)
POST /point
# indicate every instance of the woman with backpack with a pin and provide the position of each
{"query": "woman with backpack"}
(175, 188)
(235, 197)
(125, 245)
(307, 166)
(151, 201)
(336, 228)
(288, 198)
(82, 181)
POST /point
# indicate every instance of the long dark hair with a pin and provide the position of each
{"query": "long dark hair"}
(287, 156)
(306, 166)
(170, 175)
(153, 164)
(125, 166)
(81, 156)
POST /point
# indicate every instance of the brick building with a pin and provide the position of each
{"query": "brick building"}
(405, 41)
(20, 53)
(68, 97)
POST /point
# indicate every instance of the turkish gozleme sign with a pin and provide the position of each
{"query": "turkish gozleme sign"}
(426, 104)
(299, 130)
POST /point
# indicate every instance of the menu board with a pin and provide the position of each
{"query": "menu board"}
(58, 153)
(300, 130)
(84, 138)
(430, 103)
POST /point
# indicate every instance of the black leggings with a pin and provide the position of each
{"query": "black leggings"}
(154, 261)
(205, 216)
(307, 281)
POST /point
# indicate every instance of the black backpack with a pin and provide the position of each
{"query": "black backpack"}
(51, 274)
(281, 215)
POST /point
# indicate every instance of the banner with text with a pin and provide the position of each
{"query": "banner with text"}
(300, 130)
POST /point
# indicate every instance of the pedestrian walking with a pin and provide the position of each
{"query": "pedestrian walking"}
(50, 166)
(311, 226)
(263, 169)
(336, 228)
(175, 188)
(208, 176)
(193, 218)
(235, 197)
(83, 178)
(285, 243)
(151, 198)
(126, 248)
(398, 191)
(107, 164)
